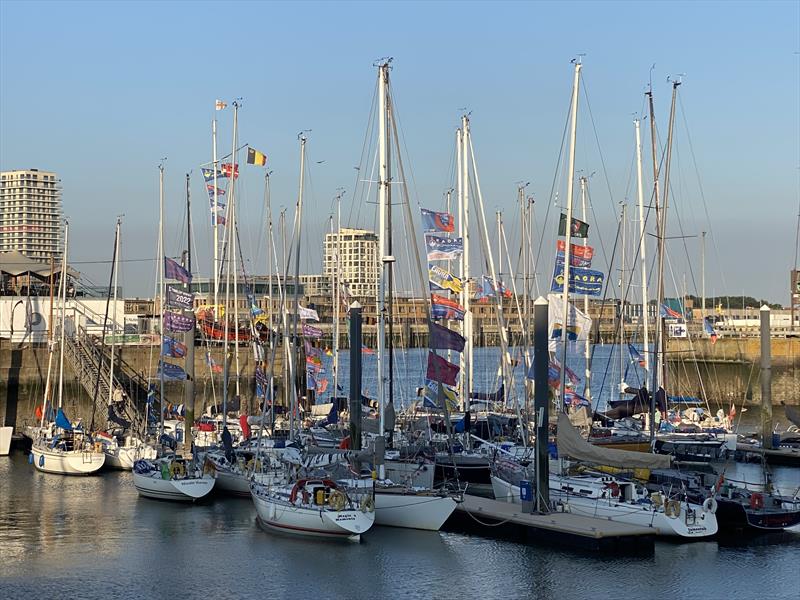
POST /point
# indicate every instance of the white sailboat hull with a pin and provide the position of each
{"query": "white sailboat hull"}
(412, 510)
(181, 490)
(233, 483)
(704, 525)
(74, 462)
(312, 522)
(5, 440)
(124, 457)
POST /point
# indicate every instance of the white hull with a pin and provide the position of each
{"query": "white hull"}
(5, 440)
(185, 490)
(75, 462)
(123, 458)
(410, 473)
(412, 510)
(233, 483)
(704, 525)
(281, 515)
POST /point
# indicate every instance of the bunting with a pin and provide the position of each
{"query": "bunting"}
(444, 308)
(441, 248)
(440, 369)
(437, 221)
(444, 280)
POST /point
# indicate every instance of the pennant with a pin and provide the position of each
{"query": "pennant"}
(553, 373)
(710, 331)
(172, 348)
(177, 322)
(579, 229)
(574, 399)
(179, 298)
(431, 395)
(437, 221)
(171, 372)
(441, 338)
(579, 324)
(444, 308)
(441, 248)
(254, 157)
(444, 280)
(581, 281)
(220, 192)
(208, 174)
(668, 313)
(219, 217)
(311, 331)
(485, 290)
(172, 270)
(636, 355)
(220, 105)
(226, 168)
(308, 313)
(439, 369)
(215, 368)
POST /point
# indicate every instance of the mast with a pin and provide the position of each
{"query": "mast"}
(232, 227)
(587, 351)
(642, 246)
(703, 280)
(161, 255)
(188, 339)
(467, 355)
(268, 394)
(216, 218)
(115, 269)
(383, 198)
(568, 224)
(63, 314)
(336, 291)
(47, 388)
(622, 308)
(297, 237)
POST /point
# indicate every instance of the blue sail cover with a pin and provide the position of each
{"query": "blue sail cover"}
(62, 421)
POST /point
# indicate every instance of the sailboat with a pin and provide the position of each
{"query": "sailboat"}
(61, 447)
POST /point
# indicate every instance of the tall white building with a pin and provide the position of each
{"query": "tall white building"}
(30, 214)
(358, 260)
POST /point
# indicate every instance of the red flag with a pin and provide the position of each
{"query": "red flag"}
(226, 170)
(439, 369)
(244, 425)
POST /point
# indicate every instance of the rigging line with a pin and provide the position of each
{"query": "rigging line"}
(358, 188)
(597, 141)
(106, 262)
(599, 237)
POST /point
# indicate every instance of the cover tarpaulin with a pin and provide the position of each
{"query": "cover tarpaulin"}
(571, 443)
(62, 421)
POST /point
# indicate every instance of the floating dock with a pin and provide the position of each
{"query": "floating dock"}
(504, 519)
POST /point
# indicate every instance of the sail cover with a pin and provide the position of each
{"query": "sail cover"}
(572, 444)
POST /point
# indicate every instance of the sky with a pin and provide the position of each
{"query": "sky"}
(101, 92)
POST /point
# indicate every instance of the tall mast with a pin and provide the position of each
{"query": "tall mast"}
(622, 307)
(642, 246)
(47, 387)
(189, 335)
(462, 358)
(703, 280)
(336, 293)
(587, 351)
(161, 255)
(297, 237)
(115, 269)
(216, 217)
(383, 199)
(270, 246)
(568, 225)
(467, 355)
(232, 227)
(64, 276)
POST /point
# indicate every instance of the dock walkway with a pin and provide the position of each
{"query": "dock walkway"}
(493, 517)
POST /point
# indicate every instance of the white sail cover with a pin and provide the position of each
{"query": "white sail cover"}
(571, 443)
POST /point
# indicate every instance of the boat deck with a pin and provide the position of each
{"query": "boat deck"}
(493, 517)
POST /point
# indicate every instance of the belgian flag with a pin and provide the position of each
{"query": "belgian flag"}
(254, 157)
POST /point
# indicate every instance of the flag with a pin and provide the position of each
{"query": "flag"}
(444, 308)
(308, 313)
(636, 355)
(261, 376)
(173, 270)
(668, 313)
(485, 290)
(442, 279)
(177, 322)
(441, 338)
(328, 352)
(442, 248)
(574, 399)
(579, 324)
(431, 395)
(581, 281)
(179, 298)
(322, 385)
(219, 105)
(208, 174)
(710, 331)
(579, 229)
(553, 373)
(366, 350)
(226, 170)
(211, 188)
(574, 259)
(254, 157)
(215, 368)
(220, 216)
(584, 252)
(172, 347)
(311, 383)
(170, 371)
(311, 331)
(439, 369)
(437, 221)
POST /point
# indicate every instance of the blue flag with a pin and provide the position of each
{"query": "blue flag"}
(172, 270)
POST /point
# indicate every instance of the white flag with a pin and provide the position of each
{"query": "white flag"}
(308, 313)
(220, 105)
(578, 325)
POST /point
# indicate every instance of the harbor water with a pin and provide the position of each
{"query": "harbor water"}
(94, 537)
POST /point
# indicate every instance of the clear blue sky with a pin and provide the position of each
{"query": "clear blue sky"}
(100, 91)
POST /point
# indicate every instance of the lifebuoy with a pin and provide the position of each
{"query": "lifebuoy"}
(336, 500)
(710, 505)
(672, 509)
(177, 469)
(367, 504)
